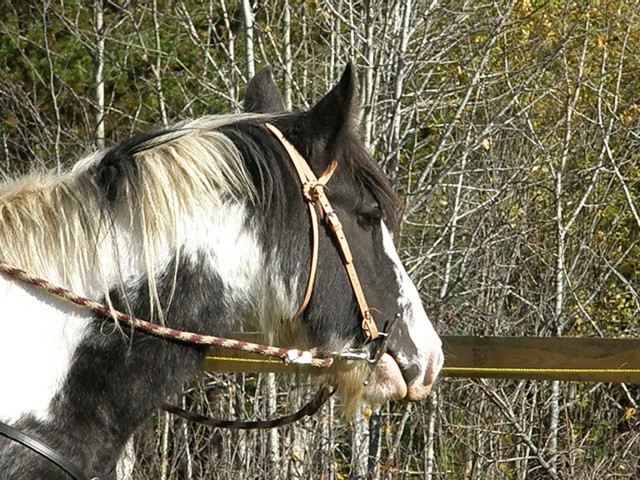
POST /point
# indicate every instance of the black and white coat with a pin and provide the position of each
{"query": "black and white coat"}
(200, 226)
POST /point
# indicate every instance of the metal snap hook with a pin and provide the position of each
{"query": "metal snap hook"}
(381, 345)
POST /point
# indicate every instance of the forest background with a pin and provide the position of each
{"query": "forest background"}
(511, 131)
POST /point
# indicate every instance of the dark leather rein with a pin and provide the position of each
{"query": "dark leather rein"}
(313, 190)
(48, 453)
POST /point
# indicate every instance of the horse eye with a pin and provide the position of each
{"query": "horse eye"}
(371, 216)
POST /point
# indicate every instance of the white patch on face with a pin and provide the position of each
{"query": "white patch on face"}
(428, 344)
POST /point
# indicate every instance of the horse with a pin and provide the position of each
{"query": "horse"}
(200, 226)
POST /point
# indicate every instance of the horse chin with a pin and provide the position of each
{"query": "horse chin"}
(387, 382)
(415, 393)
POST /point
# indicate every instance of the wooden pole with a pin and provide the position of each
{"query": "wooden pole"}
(543, 358)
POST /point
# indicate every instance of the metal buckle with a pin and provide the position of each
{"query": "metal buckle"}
(372, 355)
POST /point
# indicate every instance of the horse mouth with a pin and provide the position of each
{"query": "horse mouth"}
(388, 383)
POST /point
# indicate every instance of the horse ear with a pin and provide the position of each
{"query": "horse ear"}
(333, 113)
(262, 95)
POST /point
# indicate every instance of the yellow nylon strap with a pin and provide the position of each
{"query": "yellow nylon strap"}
(314, 192)
(524, 370)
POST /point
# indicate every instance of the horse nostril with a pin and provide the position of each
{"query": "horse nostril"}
(418, 371)
(411, 372)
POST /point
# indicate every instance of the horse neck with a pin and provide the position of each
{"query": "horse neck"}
(99, 382)
(196, 259)
(113, 383)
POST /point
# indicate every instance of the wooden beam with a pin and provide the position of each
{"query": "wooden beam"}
(533, 358)
(543, 358)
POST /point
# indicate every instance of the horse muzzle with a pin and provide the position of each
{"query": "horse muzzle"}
(419, 388)
(398, 376)
(389, 380)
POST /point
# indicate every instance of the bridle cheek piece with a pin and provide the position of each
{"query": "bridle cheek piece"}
(313, 191)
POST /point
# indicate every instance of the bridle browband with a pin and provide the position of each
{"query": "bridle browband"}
(313, 191)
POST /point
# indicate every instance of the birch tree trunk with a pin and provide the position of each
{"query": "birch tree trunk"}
(248, 30)
(98, 79)
(360, 445)
(273, 442)
(561, 274)
(375, 440)
(288, 59)
(157, 67)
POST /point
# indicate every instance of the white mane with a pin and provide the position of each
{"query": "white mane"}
(63, 228)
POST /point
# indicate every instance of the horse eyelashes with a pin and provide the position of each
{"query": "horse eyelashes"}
(371, 216)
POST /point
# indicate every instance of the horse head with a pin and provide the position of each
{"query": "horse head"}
(366, 205)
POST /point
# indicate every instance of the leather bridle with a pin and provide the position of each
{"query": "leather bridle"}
(313, 191)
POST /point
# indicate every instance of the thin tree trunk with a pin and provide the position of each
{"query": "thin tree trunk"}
(360, 445)
(187, 448)
(52, 86)
(299, 464)
(288, 60)
(126, 462)
(157, 68)
(273, 443)
(375, 440)
(164, 447)
(98, 78)
(248, 28)
(231, 37)
(367, 82)
(429, 447)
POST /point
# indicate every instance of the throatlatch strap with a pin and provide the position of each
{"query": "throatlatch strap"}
(313, 189)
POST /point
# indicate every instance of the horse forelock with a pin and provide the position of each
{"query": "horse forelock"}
(369, 176)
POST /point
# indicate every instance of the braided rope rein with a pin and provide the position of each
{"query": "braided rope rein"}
(309, 357)
(312, 357)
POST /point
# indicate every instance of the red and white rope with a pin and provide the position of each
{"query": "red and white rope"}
(308, 357)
